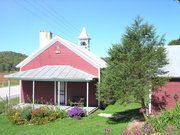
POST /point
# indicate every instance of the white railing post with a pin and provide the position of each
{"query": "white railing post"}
(54, 92)
(59, 93)
(33, 90)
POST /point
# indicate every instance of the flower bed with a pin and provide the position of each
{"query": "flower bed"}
(40, 115)
(165, 123)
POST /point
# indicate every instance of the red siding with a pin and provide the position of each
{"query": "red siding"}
(164, 98)
(66, 57)
(44, 92)
(79, 89)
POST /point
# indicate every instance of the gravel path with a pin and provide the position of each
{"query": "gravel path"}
(111, 115)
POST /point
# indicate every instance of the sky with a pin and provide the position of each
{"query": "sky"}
(105, 21)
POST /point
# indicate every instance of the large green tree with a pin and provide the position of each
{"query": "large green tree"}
(134, 66)
(9, 60)
(174, 42)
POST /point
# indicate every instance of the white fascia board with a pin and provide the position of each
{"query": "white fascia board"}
(91, 58)
(78, 52)
(40, 79)
(87, 55)
(36, 53)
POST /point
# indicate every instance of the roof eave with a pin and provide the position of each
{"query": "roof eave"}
(52, 41)
(49, 79)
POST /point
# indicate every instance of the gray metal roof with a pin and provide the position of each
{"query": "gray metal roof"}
(52, 73)
(173, 55)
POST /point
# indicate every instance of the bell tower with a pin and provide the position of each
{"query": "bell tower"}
(84, 39)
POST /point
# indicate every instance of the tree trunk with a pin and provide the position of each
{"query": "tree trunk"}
(142, 103)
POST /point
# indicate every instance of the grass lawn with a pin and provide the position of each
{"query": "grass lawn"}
(91, 125)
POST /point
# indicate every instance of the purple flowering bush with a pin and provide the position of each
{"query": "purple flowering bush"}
(169, 128)
(148, 129)
(107, 130)
(141, 110)
(137, 132)
(76, 112)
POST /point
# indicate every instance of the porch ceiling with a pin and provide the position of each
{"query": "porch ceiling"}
(52, 73)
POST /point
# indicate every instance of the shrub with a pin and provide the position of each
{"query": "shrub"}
(3, 105)
(15, 116)
(40, 112)
(39, 120)
(40, 115)
(76, 113)
(26, 113)
(166, 119)
(63, 114)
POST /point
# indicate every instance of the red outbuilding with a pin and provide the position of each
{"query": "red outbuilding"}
(168, 95)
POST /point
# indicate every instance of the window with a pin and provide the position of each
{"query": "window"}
(83, 43)
(57, 49)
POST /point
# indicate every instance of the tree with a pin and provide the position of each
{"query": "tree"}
(9, 60)
(134, 66)
(174, 42)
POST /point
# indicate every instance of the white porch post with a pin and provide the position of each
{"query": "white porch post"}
(9, 91)
(59, 93)
(87, 97)
(33, 90)
(54, 92)
(66, 93)
(20, 90)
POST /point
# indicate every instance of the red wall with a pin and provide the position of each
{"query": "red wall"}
(66, 57)
(164, 98)
(44, 91)
(79, 89)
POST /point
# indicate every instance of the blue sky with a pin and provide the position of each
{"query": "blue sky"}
(105, 21)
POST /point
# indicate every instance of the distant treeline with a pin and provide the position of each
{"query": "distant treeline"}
(9, 60)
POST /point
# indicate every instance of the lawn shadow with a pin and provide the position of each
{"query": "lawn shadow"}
(128, 116)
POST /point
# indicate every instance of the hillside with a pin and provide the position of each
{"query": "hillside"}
(9, 60)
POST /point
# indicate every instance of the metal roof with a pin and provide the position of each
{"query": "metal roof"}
(52, 73)
(173, 55)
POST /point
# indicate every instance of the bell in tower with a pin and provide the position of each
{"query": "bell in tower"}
(84, 39)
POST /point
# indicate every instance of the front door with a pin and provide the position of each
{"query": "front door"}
(62, 92)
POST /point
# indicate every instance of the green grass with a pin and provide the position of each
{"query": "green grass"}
(118, 108)
(91, 125)
(6, 84)
(4, 102)
(4, 81)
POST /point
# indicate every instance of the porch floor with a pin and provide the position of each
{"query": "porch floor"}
(62, 107)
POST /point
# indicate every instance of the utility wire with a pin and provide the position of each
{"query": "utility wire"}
(42, 16)
(63, 18)
(49, 17)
